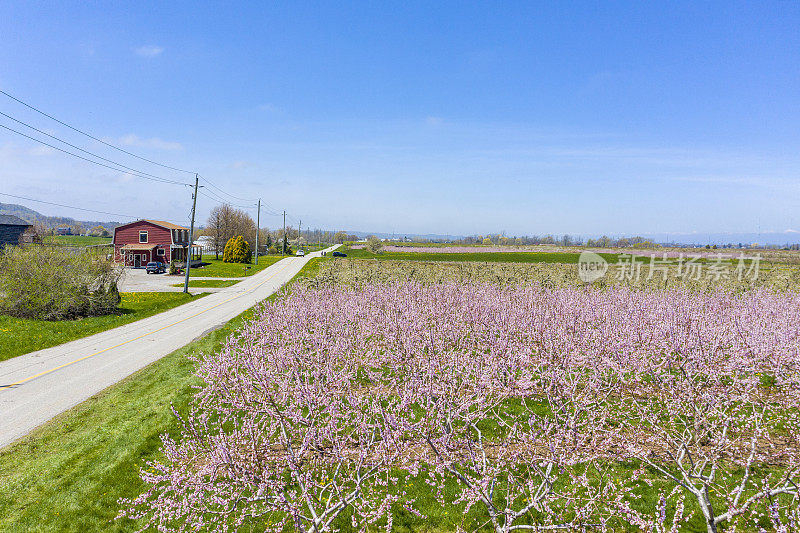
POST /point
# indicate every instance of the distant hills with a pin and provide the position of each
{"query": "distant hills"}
(767, 238)
(786, 238)
(772, 238)
(34, 217)
(425, 236)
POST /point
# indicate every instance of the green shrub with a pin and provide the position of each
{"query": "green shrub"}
(237, 250)
(51, 283)
(374, 245)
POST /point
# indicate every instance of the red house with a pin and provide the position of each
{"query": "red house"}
(137, 243)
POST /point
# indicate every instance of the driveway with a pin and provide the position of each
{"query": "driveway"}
(37, 386)
(138, 280)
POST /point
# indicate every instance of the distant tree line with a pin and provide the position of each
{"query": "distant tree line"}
(226, 222)
(563, 240)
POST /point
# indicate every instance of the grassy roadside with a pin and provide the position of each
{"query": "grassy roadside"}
(69, 474)
(210, 283)
(21, 335)
(218, 269)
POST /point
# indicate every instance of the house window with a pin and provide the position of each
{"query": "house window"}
(143, 236)
(161, 252)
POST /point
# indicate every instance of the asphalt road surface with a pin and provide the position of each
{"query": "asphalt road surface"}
(39, 385)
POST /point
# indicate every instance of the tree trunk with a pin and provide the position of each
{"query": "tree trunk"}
(708, 511)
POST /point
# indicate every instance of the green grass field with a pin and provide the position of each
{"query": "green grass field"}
(218, 269)
(22, 335)
(76, 240)
(313, 247)
(569, 258)
(486, 257)
(210, 283)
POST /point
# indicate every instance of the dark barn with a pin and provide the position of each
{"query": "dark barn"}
(11, 229)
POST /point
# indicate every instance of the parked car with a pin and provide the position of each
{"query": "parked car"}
(300, 253)
(156, 267)
(339, 254)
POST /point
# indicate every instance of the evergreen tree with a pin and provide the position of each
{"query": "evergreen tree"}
(236, 251)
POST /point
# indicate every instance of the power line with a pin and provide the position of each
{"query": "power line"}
(213, 196)
(163, 180)
(263, 204)
(92, 136)
(224, 192)
(143, 174)
(208, 194)
(78, 208)
(269, 209)
(68, 206)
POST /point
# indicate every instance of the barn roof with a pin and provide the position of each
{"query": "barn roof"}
(168, 225)
(11, 220)
(162, 223)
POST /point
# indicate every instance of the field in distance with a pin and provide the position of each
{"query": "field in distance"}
(76, 240)
(555, 254)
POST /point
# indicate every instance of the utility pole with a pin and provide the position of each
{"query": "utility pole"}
(258, 227)
(283, 244)
(191, 237)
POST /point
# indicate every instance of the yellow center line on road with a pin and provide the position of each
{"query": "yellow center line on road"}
(40, 374)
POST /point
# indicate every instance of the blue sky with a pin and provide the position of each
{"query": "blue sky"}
(458, 117)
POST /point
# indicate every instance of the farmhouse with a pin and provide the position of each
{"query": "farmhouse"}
(137, 243)
(12, 229)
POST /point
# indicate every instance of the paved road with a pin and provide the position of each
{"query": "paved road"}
(37, 386)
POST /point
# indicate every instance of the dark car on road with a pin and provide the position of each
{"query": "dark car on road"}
(156, 267)
(339, 254)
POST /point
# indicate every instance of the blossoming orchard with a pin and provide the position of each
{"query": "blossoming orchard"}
(352, 407)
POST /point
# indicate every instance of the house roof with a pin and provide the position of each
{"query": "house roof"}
(11, 220)
(163, 224)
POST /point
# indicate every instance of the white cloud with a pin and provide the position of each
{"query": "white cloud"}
(434, 121)
(153, 142)
(42, 151)
(149, 50)
(270, 108)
